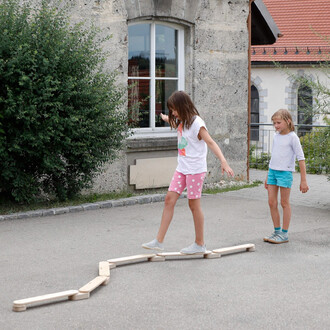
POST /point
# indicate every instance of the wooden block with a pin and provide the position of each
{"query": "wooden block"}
(21, 305)
(130, 259)
(157, 258)
(251, 249)
(19, 309)
(93, 284)
(80, 296)
(234, 249)
(106, 281)
(212, 255)
(104, 268)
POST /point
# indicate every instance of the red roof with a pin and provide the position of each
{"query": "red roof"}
(305, 26)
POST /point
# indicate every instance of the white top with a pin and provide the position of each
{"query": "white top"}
(286, 148)
(191, 151)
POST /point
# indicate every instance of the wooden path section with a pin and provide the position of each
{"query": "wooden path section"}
(104, 273)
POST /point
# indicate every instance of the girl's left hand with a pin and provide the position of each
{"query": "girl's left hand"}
(226, 168)
(304, 187)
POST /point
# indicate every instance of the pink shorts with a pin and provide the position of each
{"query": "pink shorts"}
(193, 182)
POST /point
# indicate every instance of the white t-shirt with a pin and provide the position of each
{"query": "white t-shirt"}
(286, 148)
(191, 151)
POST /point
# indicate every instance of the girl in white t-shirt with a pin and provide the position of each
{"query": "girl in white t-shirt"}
(193, 140)
(286, 148)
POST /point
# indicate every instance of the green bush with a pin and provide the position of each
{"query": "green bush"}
(258, 161)
(316, 146)
(60, 110)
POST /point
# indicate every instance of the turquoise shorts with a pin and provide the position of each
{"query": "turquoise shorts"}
(280, 178)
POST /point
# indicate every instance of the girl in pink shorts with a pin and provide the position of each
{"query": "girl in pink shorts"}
(193, 140)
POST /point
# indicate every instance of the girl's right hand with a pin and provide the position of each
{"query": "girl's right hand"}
(164, 117)
(265, 184)
(226, 168)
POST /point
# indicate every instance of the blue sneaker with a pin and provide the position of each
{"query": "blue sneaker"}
(194, 249)
(153, 245)
(279, 239)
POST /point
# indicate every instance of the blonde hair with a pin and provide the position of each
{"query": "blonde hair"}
(286, 116)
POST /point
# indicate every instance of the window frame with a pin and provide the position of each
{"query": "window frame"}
(152, 78)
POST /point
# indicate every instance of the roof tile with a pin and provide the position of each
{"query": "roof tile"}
(305, 26)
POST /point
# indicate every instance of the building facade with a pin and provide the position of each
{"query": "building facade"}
(159, 46)
(303, 50)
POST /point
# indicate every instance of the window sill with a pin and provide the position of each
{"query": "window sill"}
(151, 140)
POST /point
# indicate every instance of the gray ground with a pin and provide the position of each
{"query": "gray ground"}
(276, 287)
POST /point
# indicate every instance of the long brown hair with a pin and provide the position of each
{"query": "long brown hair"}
(286, 116)
(182, 103)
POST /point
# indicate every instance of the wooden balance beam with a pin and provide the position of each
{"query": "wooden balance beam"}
(104, 273)
(93, 284)
(131, 259)
(21, 305)
(206, 254)
(235, 249)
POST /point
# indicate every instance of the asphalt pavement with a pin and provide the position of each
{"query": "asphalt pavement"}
(283, 286)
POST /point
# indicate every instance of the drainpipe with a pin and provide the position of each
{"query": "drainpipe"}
(249, 92)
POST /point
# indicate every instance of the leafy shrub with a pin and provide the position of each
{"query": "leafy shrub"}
(316, 146)
(258, 161)
(60, 110)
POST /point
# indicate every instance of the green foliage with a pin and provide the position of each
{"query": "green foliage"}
(60, 111)
(258, 161)
(316, 146)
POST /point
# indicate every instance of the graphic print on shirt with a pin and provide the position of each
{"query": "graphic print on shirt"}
(182, 142)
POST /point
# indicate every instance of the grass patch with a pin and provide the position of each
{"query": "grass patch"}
(8, 207)
(232, 188)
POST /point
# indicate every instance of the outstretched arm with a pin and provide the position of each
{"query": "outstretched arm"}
(204, 134)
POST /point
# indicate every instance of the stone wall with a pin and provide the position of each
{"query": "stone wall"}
(216, 73)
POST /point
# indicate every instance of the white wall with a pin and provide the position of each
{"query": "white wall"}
(277, 90)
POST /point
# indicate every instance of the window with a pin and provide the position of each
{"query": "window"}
(155, 71)
(305, 106)
(254, 129)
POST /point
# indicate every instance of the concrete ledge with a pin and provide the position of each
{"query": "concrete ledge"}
(143, 199)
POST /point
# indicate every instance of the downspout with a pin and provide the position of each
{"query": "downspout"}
(249, 93)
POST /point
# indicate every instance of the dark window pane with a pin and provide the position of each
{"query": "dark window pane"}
(254, 118)
(305, 107)
(254, 92)
(254, 129)
(166, 51)
(138, 101)
(164, 88)
(139, 50)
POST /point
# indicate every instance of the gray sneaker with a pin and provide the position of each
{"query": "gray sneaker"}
(267, 238)
(153, 245)
(194, 249)
(279, 239)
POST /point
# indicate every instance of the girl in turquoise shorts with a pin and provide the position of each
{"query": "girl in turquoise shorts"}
(286, 148)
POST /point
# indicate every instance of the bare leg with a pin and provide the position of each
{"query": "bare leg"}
(285, 203)
(272, 202)
(196, 210)
(168, 211)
